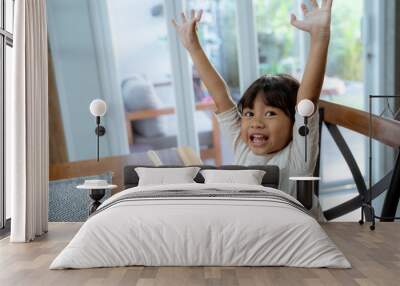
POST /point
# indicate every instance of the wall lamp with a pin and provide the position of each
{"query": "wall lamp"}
(98, 108)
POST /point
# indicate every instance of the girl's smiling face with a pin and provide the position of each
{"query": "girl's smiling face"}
(264, 128)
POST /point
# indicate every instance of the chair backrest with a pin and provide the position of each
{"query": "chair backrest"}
(270, 179)
(383, 130)
(168, 156)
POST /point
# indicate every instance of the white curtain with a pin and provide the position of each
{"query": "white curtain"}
(27, 155)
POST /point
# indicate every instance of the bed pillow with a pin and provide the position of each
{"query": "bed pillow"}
(249, 177)
(162, 176)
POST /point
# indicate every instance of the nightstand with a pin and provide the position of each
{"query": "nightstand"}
(97, 190)
(305, 190)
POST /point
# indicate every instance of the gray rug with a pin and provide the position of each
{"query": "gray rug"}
(67, 203)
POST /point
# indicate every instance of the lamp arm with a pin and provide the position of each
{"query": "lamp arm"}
(98, 136)
(305, 137)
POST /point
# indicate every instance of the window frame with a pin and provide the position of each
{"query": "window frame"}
(304, 45)
(6, 39)
(247, 56)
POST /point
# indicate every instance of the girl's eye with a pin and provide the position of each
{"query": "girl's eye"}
(269, 113)
(248, 114)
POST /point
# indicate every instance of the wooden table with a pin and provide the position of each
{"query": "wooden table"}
(114, 164)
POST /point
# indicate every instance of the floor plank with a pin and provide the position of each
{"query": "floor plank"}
(374, 255)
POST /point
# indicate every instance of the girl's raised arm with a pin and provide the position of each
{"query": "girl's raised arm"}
(208, 74)
(317, 22)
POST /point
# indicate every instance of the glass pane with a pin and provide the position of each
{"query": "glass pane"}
(144, 70)
(344, 75)
(143, 74)
(218, 37)
(8, 82)
(333, 166)
(383, 157)
(9, 15)
(333, 199)
(2, 141)
(344, 85)
(1, 15)
(282, 50)
(277, 50)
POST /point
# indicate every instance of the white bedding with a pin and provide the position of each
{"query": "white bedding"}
(200, 231)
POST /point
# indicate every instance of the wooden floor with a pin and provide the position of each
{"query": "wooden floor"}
(375, 257)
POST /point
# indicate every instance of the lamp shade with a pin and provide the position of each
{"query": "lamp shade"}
(305, 107)
(98, 107)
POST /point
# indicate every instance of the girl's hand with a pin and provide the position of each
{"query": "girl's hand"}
(187, 30)
(317, 21)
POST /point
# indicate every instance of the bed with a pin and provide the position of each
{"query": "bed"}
(201, 224)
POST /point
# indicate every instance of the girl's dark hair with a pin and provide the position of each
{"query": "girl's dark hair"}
(278, 91)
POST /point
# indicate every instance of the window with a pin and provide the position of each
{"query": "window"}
(144, 70)
(344, 71)
(344, 85)
(6, 43)
(218, 36)
(277, 50)
(283, 49)
(117, 51)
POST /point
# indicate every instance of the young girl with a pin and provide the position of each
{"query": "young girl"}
(264, 125)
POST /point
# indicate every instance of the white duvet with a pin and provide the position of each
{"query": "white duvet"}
(200, 231)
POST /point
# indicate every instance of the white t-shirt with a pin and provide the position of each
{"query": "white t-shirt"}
(290, 159)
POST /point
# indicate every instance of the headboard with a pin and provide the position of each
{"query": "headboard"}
(270, 179)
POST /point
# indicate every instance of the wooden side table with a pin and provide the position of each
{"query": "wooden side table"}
(97, 190)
